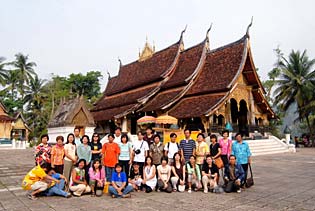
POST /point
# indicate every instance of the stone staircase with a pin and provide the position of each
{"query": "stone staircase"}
(269, 146)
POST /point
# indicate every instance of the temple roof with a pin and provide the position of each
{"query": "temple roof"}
(200, 105)
(4, 114)
(220, 68)
(197, 80)
(139, 73)
(71, 113)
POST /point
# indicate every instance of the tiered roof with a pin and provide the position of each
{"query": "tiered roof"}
(188, 83)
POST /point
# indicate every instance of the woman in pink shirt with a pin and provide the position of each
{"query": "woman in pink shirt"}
(226, 147)
(97, 178)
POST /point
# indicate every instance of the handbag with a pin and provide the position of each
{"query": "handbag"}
(218, 162)
(250, 180)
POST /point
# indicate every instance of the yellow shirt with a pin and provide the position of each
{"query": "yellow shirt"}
(35, 175)
(201, 150)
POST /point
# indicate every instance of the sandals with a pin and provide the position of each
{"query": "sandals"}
(93, 194)
(32, 197)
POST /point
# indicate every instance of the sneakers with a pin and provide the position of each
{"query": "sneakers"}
(239, 190)
(189, 190)
(68, 195)
(205, 191)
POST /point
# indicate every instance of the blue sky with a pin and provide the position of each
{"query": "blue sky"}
(72, 36)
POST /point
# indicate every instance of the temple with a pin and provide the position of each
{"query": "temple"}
(203, 88)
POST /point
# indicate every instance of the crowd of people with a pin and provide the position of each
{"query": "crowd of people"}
(118, 166)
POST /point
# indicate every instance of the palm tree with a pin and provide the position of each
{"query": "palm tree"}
(35, 95)
(3, 72)
(35, 99)
(12, 81)
(25, 70)
(296, 83)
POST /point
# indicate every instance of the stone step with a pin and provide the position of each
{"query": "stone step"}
(266, 146)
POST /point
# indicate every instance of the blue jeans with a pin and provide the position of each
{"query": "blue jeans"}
(113, 191)
(57, 189)
(109, 172)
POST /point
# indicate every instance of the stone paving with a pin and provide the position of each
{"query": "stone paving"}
(282, 182)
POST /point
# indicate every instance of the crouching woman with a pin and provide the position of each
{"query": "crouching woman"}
(78, 181)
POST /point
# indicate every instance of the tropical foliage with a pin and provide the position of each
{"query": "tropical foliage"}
(294, 79)
(23, 91)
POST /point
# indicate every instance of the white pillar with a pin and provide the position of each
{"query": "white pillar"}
(124, 125)
(287, 138)
(13, 143)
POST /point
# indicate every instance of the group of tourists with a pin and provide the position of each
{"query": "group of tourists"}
(119, 166)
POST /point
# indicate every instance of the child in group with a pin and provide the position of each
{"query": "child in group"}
(135, 177)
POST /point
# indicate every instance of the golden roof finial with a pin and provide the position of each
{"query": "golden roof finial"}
(147, 51)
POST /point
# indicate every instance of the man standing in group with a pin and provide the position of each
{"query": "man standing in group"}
(149, 137)
(140, 150)
(187, 146)
(117, 135)
(77, 138)
(171, 148)
(110, 153)
(242, 153)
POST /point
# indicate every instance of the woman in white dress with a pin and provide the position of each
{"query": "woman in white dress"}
(149, 175)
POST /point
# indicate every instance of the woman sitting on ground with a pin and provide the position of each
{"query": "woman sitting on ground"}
(149, 175)
(164, 173)
(135, 177)
(194, 176)
(97, 178)
(78, 182)
(119, 186)
(178, 172)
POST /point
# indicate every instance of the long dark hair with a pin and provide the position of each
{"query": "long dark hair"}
(81, 160)
(189, 163)
(180, 158)
(70, 134)
(98, 138)
(100, 166)
(146, 159)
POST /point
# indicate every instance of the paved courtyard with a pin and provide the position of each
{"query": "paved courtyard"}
(282, 182)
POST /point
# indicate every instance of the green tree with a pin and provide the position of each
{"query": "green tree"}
(296, 83)
(35, 99)
(25, 71)
(3, 71)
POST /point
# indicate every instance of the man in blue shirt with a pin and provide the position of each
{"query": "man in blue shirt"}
(119, 181)
(234, 175)
(187, 146)
(242, 153)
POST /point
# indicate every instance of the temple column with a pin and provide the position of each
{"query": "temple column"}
(124, 125)
(252, 108)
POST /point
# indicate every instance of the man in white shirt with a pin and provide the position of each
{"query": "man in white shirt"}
(140, 150)
(117, 135)
(77, 138)
(171, 148)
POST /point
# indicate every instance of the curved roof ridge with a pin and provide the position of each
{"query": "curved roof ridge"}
(229, 45)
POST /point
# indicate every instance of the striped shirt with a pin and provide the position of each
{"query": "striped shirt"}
(188, 147)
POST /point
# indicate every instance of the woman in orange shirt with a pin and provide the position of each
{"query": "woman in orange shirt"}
(57, 155)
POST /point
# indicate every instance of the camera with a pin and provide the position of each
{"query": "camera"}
(137, 151)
